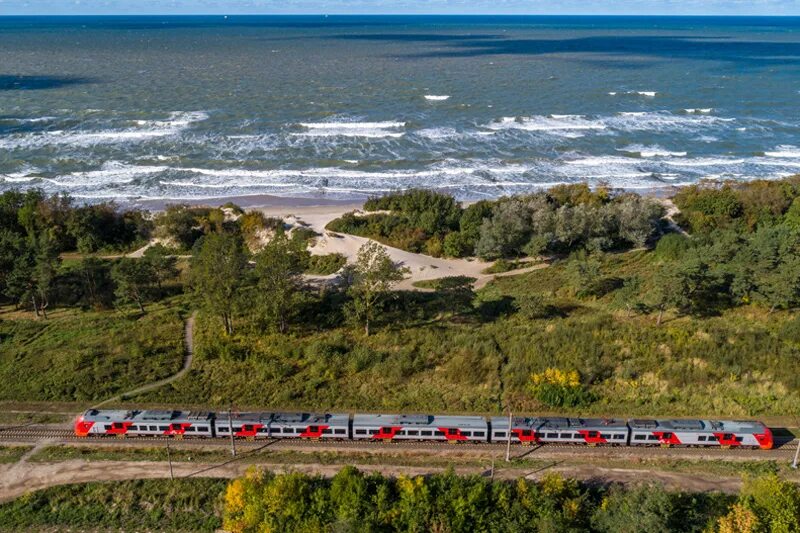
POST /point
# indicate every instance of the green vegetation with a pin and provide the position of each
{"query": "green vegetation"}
(142, 505)
(325, 265)
(565, 218)
(446, 502)
(12, 454)
(741, 206)
(87, 355)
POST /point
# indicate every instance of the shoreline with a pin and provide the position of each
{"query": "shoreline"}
(273, 202)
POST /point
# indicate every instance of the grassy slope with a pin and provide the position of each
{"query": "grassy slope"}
(87, 355)
(730, 365)
(143, 505)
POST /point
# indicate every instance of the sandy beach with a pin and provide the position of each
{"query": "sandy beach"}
(421, 267)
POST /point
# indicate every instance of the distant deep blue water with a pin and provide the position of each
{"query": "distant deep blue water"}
(343, 107)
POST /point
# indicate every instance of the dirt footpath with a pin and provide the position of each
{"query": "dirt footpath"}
(19, 478)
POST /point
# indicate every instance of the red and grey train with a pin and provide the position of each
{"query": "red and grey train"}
(421, 427)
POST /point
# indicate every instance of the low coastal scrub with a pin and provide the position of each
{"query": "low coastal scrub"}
(325, 265)
(87, 355)
(140, 505)
(743, 206)
(562, 219)
(476, 352)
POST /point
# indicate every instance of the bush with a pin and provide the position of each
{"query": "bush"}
(324, 265)
(557, 388)
(533, 306)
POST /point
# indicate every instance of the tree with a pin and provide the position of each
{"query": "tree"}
(534, 305)
(279, 269)
(457, 292)
(506, 232)
(627, 296)
(94, 276)
(668, 291)
(162, 264)
(45, 267)
(132, 278)
(585, 274)
(217, 274)
(373, 276)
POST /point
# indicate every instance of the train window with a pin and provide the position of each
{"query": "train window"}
(221, 429)
(553, 435)
(163, 428)
(237, 428)
(340, 431)
(153, 428)
(738, 439)
(712, 438)
(327, 432)
(701, 438)
(452, 431)
(565, 435)
(577, 436)
(412, 432)
(190, 428)
(426, 433)
(652, 437)
(466, 433)
(619, 436)
(439, 433)
(605, 436)
(262, 430)
(107, 427)
(639, 437)
(479, 434)
(373, 431)
(202, 428)
(361, 432)
(727, 436)
(500, 434)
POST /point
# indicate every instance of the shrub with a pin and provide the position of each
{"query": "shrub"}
(324, 265)
(558, 388)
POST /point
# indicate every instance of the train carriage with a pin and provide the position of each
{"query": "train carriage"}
(384, 427)
(721, 433)
(593, 431)
(523, 429)
(559, 430)
(150, 423)
(309, 426)
(284, 425)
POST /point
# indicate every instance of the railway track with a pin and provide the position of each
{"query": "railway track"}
(34, 435)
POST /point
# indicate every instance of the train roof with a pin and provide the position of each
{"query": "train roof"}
(285, 418)
(733, 426)
(419, 420)
(118, 415)
(582, 423)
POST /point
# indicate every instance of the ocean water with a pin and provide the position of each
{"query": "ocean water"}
(182, 108)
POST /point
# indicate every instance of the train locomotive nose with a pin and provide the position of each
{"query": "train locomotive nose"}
(765, 441)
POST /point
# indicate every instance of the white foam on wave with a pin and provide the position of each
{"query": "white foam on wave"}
(649, 94)
(662, 121)
(437, 97)
(707, 162)
(784, 151)
(111, 173)
(559, 124)
(352, 129)
(144, 130)
(699, 111)
(650, 151)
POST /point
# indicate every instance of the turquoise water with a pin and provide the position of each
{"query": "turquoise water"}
(343, 107)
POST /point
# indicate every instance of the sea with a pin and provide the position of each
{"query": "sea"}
(345, 107)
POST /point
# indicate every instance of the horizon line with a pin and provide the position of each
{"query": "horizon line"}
(616, 15)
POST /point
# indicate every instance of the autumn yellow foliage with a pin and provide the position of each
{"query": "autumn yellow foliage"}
(554, 376)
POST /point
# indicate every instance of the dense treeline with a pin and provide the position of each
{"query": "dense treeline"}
(739, 206)
(35, 229)
(563, 219)
(446, 502)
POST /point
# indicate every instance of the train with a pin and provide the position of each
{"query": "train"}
(425, 428)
